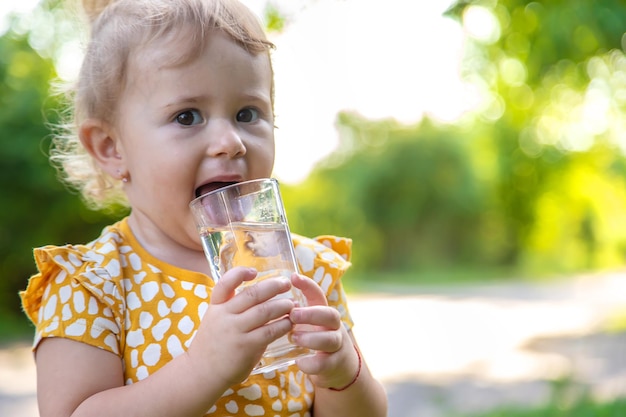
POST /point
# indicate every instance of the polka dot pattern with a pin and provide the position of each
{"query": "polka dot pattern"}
(112, 294)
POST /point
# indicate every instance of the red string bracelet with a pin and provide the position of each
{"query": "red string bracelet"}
(358, 372)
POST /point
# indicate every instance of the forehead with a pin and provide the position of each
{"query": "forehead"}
(183, 50)
(221, 68)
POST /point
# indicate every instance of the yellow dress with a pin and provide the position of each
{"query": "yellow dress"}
(113, 294)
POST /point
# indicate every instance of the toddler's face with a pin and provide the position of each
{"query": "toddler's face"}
(190, 128)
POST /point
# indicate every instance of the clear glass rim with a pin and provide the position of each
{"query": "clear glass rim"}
(198, 199)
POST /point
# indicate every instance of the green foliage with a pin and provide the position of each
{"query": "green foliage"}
(558, 69)
(543, 34)
(409, 200)
(429, 196)
(274, 20)
(567, 399)
(533, 180)
(15, 328)
(36, 208)
(585, 408)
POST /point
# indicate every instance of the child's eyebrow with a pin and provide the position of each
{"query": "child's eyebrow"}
(177, 101)
(262, 97)
(255, 97)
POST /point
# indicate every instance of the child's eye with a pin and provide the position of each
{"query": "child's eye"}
(189, 118)
(247, 115)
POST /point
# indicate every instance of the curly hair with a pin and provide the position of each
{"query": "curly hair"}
(120, 28)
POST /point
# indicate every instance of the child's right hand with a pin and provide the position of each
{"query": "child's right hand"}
(236, 329)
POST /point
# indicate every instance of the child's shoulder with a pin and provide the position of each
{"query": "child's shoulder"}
(105, 251)
(325, 259)
(95, 266)
(328, 247)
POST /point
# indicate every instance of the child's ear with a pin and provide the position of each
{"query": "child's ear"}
(100, 141)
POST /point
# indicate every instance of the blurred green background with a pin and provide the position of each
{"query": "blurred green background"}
(530, 186)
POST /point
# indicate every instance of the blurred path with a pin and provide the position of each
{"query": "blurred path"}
(17, 382)
(460, 349)
(467, 349)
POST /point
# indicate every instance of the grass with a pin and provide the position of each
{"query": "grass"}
(410, 281)
(585, 407)
(567, 399)
(15, 328)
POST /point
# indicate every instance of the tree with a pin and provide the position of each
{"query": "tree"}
(36, 209)
(552, 73)
(409, 196)
(539, 165)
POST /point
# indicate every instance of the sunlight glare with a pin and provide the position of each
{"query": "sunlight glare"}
(17, 7)
(480, 23)
(397, 62)
(401, 62)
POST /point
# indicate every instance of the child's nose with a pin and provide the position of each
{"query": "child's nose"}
(225, 140)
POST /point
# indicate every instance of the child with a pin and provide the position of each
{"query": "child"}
(174, 99)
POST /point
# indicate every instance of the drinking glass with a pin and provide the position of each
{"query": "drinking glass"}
(245, 224)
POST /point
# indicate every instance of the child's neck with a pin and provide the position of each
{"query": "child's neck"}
(154, 241)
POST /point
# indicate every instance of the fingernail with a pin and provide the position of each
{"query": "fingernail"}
(295, 315)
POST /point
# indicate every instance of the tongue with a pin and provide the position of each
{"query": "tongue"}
(207, 188)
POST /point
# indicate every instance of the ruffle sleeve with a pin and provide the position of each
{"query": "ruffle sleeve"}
(74, 297)
(325, 259)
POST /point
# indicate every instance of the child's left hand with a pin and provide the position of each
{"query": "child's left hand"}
(319, 327)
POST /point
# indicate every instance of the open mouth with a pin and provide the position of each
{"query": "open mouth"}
(212, 186)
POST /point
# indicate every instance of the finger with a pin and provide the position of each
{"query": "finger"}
(310, 289)
(225, 287)
(266, 334)
(323, 316)
(260, 292)
(328, 341)
(332, 369)
(316, 364)
(265, 313)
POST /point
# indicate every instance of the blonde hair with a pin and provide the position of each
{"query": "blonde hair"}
(120, 28)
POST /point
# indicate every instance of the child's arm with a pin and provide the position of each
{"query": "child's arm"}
(337, 364)
(76, 379)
